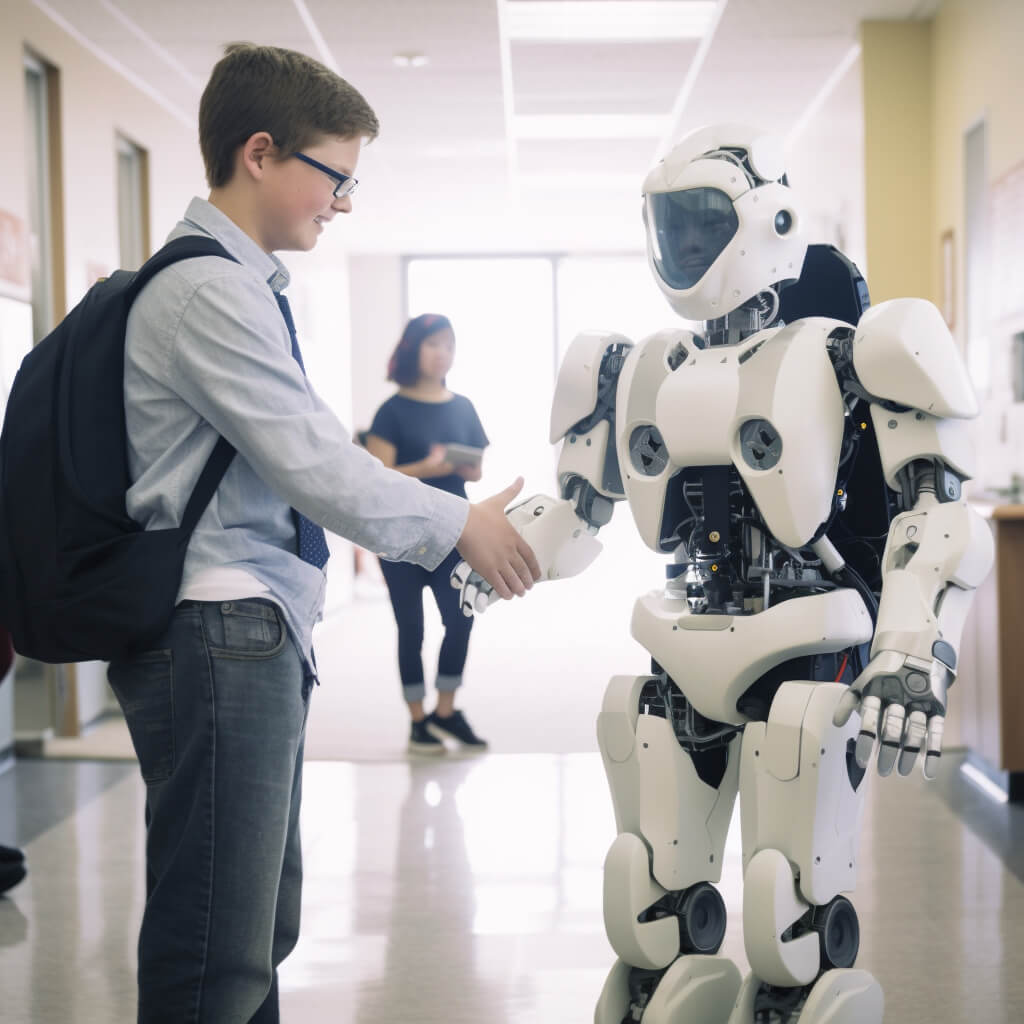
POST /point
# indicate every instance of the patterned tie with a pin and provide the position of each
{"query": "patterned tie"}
(312, 542)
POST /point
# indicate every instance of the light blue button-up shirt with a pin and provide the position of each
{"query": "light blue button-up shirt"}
(208, 354)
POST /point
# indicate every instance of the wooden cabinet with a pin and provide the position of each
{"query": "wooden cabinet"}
(989, 698)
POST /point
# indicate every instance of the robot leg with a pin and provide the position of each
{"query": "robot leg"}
(663, 917)
(801, 796)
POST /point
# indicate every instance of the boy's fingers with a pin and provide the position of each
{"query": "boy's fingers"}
(501, 588)
(530, 560)
(511, 491)
(512, 580)
(522, 569)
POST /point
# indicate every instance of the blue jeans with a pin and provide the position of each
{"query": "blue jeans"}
(217, 714)
(405, 582)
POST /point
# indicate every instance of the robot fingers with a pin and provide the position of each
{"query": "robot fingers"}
(848, 703)
(893, 720)
(933, 751)
(913, 738)
(477, 593)
(460, 574)
(871, 709)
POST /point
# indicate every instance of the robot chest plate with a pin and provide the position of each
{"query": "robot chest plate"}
(770, 406)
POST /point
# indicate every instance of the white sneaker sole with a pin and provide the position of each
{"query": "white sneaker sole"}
(444, 734)
(427, 749)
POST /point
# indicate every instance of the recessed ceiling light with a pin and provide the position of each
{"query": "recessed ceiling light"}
(607, 20)
(410, 60)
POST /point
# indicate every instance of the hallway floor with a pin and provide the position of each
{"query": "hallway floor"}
(468, 890)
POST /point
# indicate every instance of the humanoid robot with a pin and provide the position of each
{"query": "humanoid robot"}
(798, 458)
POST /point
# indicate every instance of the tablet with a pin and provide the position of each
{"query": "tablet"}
(463, 455)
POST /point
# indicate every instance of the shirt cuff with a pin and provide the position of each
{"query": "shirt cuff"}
(447, 521)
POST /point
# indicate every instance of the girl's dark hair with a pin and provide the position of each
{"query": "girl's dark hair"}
(404, 364)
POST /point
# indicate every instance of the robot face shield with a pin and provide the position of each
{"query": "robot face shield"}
(689, 229)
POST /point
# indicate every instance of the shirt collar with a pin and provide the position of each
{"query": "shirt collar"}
(205, 216)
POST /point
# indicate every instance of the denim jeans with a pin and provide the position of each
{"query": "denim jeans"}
(405, 583)
(217, 714)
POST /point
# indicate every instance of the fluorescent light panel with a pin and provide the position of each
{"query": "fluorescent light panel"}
(607, 20)
(589, 126)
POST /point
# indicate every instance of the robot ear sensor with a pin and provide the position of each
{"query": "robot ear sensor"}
(767, 157)
(784, 222)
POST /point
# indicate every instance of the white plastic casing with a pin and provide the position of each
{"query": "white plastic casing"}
(903, 352)
(757, 256)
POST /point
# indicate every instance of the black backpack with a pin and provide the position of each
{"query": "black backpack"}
(79, 579)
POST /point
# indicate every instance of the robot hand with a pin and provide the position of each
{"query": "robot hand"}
(909, 697)
(562, 542)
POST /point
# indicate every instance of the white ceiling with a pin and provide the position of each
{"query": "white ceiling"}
(448, 173)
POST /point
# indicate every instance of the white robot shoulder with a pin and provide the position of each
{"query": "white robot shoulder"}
(579, 377)
(904, 353)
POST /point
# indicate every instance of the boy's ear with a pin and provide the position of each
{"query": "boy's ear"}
(254, 151)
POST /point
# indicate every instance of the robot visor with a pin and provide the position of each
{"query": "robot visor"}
(689, 230)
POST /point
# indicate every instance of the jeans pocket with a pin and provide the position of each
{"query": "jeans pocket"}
(253, 628)
(144, 687)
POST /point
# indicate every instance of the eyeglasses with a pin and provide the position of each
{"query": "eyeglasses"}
(346, 184)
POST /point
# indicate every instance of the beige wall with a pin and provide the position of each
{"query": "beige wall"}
(976, 47)
(896, 73)
(96, 104)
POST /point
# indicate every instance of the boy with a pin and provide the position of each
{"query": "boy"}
(217, 709)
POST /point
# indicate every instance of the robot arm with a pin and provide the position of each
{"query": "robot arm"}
(939, 550)
(561, 530)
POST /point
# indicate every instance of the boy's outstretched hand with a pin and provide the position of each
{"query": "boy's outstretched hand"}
(495, 549)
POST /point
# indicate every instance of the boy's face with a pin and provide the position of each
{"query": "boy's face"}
(298, 199)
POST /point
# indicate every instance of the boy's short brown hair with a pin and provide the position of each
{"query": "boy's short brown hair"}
(282, 92)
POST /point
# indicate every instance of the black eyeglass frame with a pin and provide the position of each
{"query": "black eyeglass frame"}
(346, 183)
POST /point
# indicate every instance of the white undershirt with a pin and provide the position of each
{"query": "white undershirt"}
(221, 583)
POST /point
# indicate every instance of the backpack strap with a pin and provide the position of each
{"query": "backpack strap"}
(184, 248)
(208, 482)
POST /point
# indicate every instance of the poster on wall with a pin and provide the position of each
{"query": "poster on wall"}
(15, 260)
(15, 342)
(1007, 266)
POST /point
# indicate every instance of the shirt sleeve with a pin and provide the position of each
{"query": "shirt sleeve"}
(476, 428)
(385, 424)
(230, 359)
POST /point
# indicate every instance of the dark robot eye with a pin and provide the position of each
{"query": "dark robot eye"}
(783, 222)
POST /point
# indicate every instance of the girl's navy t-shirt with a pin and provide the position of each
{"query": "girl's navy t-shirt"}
(413, 427)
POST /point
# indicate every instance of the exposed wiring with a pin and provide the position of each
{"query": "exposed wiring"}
(842, 667)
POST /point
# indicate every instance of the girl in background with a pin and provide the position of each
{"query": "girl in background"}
(411, 432)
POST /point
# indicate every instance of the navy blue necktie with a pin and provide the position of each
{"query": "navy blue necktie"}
(312, 542)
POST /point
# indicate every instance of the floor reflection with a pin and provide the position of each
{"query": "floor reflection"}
(469, 890)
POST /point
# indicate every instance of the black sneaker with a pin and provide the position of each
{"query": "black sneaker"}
(422, 741)
(454, 727)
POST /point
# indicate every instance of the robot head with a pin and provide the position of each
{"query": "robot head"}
(723, 226)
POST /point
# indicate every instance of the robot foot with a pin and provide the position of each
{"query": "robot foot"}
(838, 996)
(697, 989)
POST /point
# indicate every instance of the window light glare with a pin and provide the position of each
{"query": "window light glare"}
(608, 20)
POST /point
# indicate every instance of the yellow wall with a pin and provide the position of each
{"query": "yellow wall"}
(896, 61)
(976, 46)
(96, 104)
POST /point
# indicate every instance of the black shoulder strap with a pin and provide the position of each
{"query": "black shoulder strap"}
(208, 482)
(184, 248)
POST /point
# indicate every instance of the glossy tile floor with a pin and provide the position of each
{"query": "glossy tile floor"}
(463, 891)
(468, 890)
